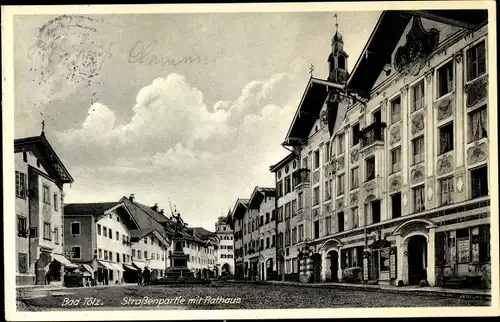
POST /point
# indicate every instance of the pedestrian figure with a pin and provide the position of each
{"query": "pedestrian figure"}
(147, 275)
(139, 277)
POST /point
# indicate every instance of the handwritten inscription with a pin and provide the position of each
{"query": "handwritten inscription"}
(141, 53)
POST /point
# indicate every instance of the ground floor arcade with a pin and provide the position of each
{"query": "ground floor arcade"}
(413, 252)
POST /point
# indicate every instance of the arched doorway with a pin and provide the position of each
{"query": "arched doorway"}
(417, 259)
(269, 269)
(332, 266)
(226, 269)
(316, 268)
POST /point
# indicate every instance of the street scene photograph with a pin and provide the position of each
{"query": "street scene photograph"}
(251, 159)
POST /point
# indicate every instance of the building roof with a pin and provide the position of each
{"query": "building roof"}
(75, 209)
(283, 162)
(101, 208)
(141, 233)
(144, 219)
(202, 233)
(386, 35)
(239, 209)
(154, 214)
(258, 195)
(308, 110)
(42, 149)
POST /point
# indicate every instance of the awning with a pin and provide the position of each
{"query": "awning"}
(88, 268)
(140, 265)
(130, 267)
(106, 265)
(63, 260)
(117, 267)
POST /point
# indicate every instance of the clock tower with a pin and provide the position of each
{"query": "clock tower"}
(337, 60)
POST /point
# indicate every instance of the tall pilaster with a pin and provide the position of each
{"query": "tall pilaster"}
(460, 112)
(431, 257)
(430, 141)
(406, 148)
(430, 158)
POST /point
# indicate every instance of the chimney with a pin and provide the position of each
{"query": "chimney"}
(155, 207)
(162, 211)
(132, 197)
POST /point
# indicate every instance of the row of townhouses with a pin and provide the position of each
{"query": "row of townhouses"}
(110, 242)
(387, 177)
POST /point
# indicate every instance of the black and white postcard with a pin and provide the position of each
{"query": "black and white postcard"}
(250, 160)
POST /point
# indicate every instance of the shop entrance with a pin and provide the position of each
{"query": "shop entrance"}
(316, 268)
(269, 269)
(333, 259)
(417, 259)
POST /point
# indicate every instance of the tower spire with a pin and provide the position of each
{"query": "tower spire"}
(43, 127)
(337, 59)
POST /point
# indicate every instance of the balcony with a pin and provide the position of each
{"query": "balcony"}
(301, 176)
(372, 133)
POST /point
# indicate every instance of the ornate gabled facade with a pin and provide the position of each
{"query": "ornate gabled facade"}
(395, 191)
(416, 151)
(40, 176)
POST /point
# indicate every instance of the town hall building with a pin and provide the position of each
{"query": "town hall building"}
(396, 155)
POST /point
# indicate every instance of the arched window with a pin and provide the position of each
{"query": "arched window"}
(341, 62)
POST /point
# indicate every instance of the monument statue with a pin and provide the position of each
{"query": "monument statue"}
(179, 223)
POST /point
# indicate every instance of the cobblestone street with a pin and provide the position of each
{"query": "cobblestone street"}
(226, 296)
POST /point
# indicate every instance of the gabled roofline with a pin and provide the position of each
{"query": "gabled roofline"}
(43, 140)
(121, 204)
(256, 191)
(159, 236)
(365, 48)
(289, 157)
(297, 111)
(395, 19)
(237, 204)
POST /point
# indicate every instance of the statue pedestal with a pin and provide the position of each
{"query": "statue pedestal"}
(178, 272)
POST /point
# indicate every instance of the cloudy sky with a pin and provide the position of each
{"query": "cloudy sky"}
(187, 108)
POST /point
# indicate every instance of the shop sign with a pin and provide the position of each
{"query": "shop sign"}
(366, 267)
(393, 264)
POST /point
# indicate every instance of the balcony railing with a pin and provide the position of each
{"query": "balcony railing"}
(372, 133)
(301, 176)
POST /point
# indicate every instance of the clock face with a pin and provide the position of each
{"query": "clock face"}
(415, 49)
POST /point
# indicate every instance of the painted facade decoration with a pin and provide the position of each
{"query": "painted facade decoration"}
(420, 43)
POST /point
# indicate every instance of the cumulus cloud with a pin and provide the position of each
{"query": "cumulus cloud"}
(171, 126)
